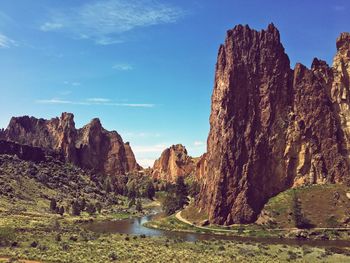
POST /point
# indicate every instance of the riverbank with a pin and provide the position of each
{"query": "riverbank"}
(52, 238)
(317, 236)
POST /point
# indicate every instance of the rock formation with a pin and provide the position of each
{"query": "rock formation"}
(201, 167)
(91, 147)
(272, 127)
(173, 162)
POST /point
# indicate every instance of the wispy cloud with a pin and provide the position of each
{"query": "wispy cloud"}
(48, 26)
(123, 67)
(105, 21)
(339, 8)
(6, 42)
(65, 92)
(98, 100)
(72, 83)
(141, 135)
(198, 143)
(89, 102)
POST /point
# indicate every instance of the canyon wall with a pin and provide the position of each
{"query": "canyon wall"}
(271, 127)
(91, 147)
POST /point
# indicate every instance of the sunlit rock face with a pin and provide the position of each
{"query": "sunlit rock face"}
(271, 127)
(91, 147)
(173, 162)
(340, 89)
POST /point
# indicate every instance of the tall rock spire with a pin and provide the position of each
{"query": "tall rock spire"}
(271, 128)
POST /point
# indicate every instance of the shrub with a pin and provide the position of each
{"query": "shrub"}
(113, 256)
(61, 211)
(91, 209)
(139, 205)
(7, 235)
(58, 238)
(73, 238)
(53, 205)
(34, 244)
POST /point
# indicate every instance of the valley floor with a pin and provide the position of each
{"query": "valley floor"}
(44, 237)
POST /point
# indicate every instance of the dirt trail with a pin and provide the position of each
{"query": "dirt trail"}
(179, 217)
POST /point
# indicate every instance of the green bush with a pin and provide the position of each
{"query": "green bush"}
(7, 236)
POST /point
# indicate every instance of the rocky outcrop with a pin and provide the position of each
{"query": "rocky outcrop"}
(173, 162)
(91, 147)
(201, 167)
(271, 127)
(340, 87)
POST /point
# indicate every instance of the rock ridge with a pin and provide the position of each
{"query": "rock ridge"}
(91, 147)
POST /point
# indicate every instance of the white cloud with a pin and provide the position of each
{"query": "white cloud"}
(54, 101)
(140, 135)
(98, 100)
(75, 84)
(105, 21)
(48, 26)
(198, 143)
(6, 42)
(123, 67)
(94, 103)
(72, 83)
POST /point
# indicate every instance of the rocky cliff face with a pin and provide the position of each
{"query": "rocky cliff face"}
(173, 162)
(271, 127)
(91, 147)
(201, 167)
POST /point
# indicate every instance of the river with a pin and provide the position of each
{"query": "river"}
(134, 226)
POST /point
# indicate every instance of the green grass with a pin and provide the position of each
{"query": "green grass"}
(66, 241)
(193, 214)
(323, 205)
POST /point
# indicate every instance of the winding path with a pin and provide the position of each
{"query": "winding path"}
(180, 218)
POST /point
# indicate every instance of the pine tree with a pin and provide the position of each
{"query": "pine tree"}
(139, 205)
(76, 208)
(150, 191)
(107, 185)
(53, 205)
(98, 207)
(181, 191)
(91, 209)
(299, 219)
(61, 211)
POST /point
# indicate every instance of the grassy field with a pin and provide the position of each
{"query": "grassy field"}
(29, 230)
(51, 238)
(325, 206)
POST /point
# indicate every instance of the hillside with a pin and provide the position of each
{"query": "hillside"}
(29, 186)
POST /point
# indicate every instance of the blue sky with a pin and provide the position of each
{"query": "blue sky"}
(145, 68)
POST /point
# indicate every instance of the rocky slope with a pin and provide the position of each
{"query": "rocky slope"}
(91, 147)
(28, 153)
(272, 127)
(173, 162)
